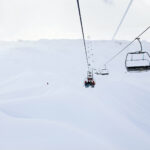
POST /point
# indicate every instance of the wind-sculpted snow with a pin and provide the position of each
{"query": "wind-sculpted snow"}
(44, 105)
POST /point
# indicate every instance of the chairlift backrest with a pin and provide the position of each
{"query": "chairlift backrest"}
(138, 56)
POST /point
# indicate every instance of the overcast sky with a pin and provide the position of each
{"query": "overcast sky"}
(50, 19)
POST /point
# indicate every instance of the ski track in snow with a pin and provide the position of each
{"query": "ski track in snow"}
(63, 114)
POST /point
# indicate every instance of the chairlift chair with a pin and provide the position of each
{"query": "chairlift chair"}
(97, 72)
(90, 81)
(137, 61)
(104, 72)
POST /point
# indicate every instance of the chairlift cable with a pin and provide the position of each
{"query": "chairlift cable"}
(111, 59)
(122, 20)
(83, 35)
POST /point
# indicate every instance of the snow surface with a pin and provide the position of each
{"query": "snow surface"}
(44, 105)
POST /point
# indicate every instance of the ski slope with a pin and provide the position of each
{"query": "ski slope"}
(44, 105)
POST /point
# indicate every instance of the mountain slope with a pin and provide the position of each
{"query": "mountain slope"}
(44, 105)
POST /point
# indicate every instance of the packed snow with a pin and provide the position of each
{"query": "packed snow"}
(45, 106)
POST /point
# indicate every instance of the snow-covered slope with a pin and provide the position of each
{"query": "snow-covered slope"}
(44, 105)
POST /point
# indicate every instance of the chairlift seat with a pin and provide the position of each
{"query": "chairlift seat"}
(104, 72)
(138, 68)
(137, 61)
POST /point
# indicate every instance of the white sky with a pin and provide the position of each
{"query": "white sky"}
(38, 19)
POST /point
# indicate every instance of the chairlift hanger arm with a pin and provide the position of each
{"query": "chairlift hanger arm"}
(140, 44)
(148, 54)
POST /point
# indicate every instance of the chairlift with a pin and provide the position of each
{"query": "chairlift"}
(89, 82)
(103, 71)
(98, 72)
(137, 61)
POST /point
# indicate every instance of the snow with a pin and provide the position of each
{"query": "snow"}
(62, 114)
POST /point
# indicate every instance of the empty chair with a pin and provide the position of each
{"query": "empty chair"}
(104, 72)
(137, 61)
